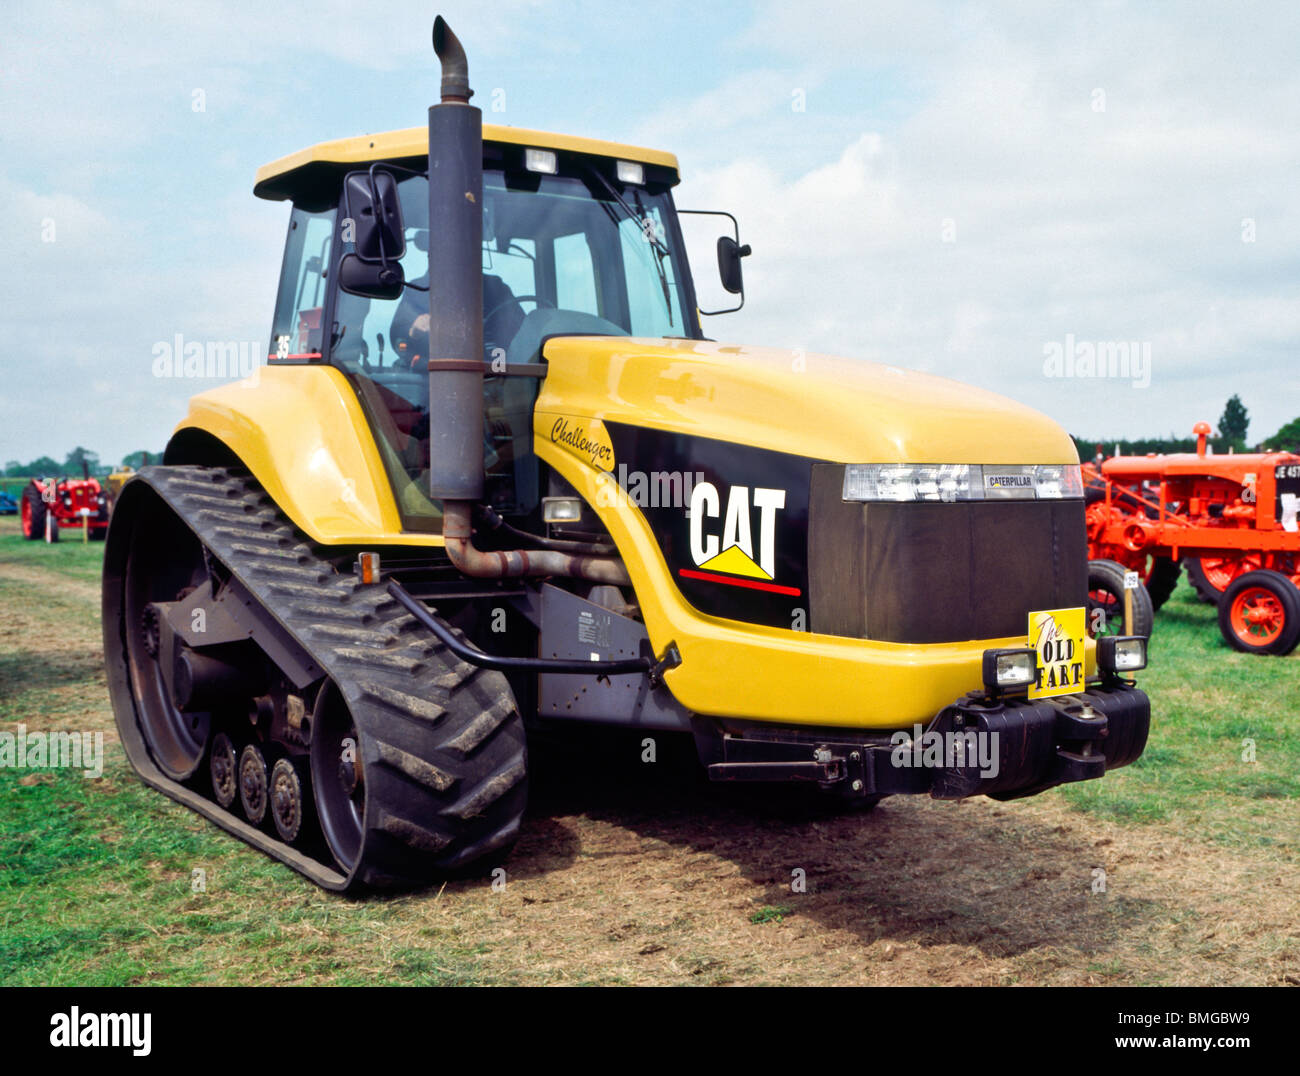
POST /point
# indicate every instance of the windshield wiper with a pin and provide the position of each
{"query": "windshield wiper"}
(661, 251)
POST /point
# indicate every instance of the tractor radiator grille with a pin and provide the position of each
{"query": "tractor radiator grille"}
(939, 572)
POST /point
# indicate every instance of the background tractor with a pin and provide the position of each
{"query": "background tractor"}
(52, 505)
(494, 480)
(1230, 519)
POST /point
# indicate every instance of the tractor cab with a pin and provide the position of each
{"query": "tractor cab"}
(578, 238)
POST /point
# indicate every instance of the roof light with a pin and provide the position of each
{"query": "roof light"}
(631, 172)
(541, 160)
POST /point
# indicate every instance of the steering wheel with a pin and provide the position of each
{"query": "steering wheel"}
(519, 299)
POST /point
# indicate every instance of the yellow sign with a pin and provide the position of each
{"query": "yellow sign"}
(1057, 637)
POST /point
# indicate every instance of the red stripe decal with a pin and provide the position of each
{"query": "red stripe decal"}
(752, 584)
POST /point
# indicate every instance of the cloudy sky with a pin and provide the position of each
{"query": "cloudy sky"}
(958, 188)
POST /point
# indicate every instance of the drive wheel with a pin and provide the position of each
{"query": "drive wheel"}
(1106, 601)
(1260, 613)
(164, 559)
(338, 777)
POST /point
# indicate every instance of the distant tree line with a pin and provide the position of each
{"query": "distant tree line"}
(72, 464)
(1228, 436)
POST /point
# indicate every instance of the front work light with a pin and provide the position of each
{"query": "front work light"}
(1121, 653)
(1005, 670)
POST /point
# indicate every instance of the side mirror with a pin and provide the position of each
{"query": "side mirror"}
(729, 254)
(371, 281)
(371, 203)
(730, 251)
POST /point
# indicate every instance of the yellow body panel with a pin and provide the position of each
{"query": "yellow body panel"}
(302, 433)
(836, 409)
(414, 142)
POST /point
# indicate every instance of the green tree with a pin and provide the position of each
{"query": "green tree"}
(73, 464)
(42, 467)
(141, 458)
(1287, 439)
(1234, 422)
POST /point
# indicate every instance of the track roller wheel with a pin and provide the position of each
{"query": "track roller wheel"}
(224, 766)
(1260, 613)
(290, 798)
(254, 783)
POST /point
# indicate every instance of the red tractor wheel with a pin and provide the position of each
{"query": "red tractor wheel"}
(1260, 613)
(1211, 576)
(33, 513)
(1160, 578)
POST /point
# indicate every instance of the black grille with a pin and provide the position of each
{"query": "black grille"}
(935, 573)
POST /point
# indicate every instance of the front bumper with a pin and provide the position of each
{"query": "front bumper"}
(1004, 748)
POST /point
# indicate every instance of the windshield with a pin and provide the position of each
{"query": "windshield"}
(561, 255)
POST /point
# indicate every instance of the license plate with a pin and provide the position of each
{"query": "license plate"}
(1057, 638)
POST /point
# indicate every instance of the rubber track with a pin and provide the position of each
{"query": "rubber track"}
(441, 741)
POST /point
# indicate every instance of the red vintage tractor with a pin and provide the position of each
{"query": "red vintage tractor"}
(1233, 520)
(51, 505)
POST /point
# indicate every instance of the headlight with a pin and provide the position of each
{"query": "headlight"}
(1006, 669)
(960, 482)
(1121, 653)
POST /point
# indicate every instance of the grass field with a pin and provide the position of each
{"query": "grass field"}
(628, 873)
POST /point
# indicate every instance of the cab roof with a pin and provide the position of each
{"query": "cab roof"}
(301, 174)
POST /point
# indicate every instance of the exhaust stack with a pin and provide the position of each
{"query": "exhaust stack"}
(455, 280)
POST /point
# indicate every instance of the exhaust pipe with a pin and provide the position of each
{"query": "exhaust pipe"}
(457, 533)
(456, 336)
(455, 280)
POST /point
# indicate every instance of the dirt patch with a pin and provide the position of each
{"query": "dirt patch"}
(662, 881)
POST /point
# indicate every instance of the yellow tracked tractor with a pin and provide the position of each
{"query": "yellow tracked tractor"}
(493, 477)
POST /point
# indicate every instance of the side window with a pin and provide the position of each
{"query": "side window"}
(575, 275)
(516, 266)
(296, 327)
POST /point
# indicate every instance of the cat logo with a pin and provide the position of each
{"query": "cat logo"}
(733, 557)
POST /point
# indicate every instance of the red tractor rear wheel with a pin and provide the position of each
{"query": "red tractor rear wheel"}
(1260, 613)
(33, 513)
(1211, 576)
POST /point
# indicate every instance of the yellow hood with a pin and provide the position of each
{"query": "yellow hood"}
(844, 410)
